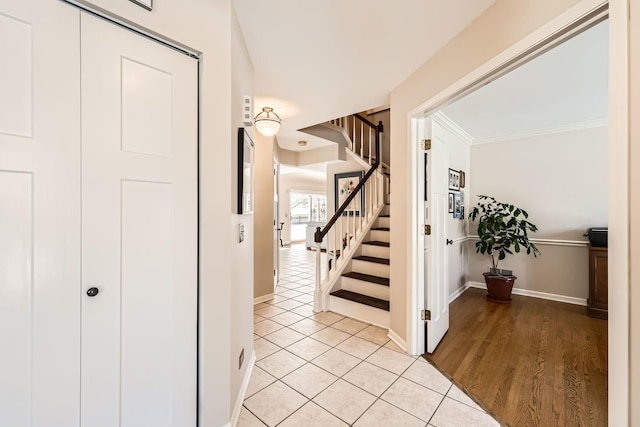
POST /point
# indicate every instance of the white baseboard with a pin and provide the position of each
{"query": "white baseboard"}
(396, 339)
(536, 294)
(243, 390)
(263, 298)
(458, 292)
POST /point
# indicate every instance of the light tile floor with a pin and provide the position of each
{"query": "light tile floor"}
(324, 369)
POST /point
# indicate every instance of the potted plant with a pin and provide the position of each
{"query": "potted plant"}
(503, 229)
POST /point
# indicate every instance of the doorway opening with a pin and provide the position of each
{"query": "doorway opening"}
(554, 128)
(305, 208)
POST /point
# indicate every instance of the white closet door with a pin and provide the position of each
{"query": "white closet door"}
(39, 214)
(139, 230)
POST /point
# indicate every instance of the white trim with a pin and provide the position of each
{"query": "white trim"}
(243, 390)
(132, 26)
(550, 130)
(458, 240)
(263, 298)
(535, 294)
(621, 365)
(550, 242)
(397, 340)
(454, 296)
(452, 127)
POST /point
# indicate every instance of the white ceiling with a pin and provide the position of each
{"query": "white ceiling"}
(565, 88)
(318, 60)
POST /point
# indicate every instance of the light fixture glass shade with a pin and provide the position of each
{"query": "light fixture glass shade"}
(267, 122)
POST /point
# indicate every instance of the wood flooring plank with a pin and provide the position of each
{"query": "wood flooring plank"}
(532, 363)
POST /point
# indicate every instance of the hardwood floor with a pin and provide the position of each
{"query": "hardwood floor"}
(532, 363)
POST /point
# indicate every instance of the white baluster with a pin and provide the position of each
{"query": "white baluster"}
(317, 295)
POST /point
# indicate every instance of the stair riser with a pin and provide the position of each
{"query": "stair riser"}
(372, 268)
(359, 311)
(365, 288)
(375, 251)
(383, 222)
(380, 236)
(386, 210)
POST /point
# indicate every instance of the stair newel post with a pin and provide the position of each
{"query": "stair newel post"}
(317, 295)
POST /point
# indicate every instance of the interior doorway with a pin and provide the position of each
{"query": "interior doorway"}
(464, 88)
(305, 207)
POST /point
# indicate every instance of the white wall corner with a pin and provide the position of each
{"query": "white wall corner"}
(243, 390)
(397, 340)
(263, 298)
(452, 126)
(536, 294)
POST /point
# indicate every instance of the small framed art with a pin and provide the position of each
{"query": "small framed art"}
(454, 180)
(450, 202)
(245, 172)
(345, 183)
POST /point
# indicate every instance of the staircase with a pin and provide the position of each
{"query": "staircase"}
(356, 279)
(363, 288)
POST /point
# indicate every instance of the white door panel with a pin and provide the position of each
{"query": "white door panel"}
(139, 230)
(39, 214)
(432, 259)
(437, 254)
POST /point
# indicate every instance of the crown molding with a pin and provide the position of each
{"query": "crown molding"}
(452, 126)
(569, 127)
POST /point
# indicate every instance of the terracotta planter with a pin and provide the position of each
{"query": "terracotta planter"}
(499, 287)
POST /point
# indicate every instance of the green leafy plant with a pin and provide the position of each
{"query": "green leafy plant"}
(503, 229)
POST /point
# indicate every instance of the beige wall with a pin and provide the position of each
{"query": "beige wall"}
(297, 182)
(205, 27)
(561, 180)
(503, 24)
(241, 253)
(634, 214)
(263, 216)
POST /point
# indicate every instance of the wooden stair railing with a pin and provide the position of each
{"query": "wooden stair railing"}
(347, 223)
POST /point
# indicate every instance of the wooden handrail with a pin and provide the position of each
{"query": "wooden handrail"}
(320, 233)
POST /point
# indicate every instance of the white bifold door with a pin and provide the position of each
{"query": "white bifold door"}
(39, 214)
(139, 230)
(98, 223)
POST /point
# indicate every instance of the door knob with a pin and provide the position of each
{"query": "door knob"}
(92, 292)
(449, 242)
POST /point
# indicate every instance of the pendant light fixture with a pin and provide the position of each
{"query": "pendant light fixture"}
(267, 122)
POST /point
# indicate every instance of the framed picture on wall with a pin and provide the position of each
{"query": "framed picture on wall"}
(454, 180)
(457, 206)
(463, 178)
(345, 184)
(245, 172)
(450, 202)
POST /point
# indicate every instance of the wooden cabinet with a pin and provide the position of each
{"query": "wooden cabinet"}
(598, 302)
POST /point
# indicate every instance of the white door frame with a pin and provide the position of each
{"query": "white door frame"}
(569, 23)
